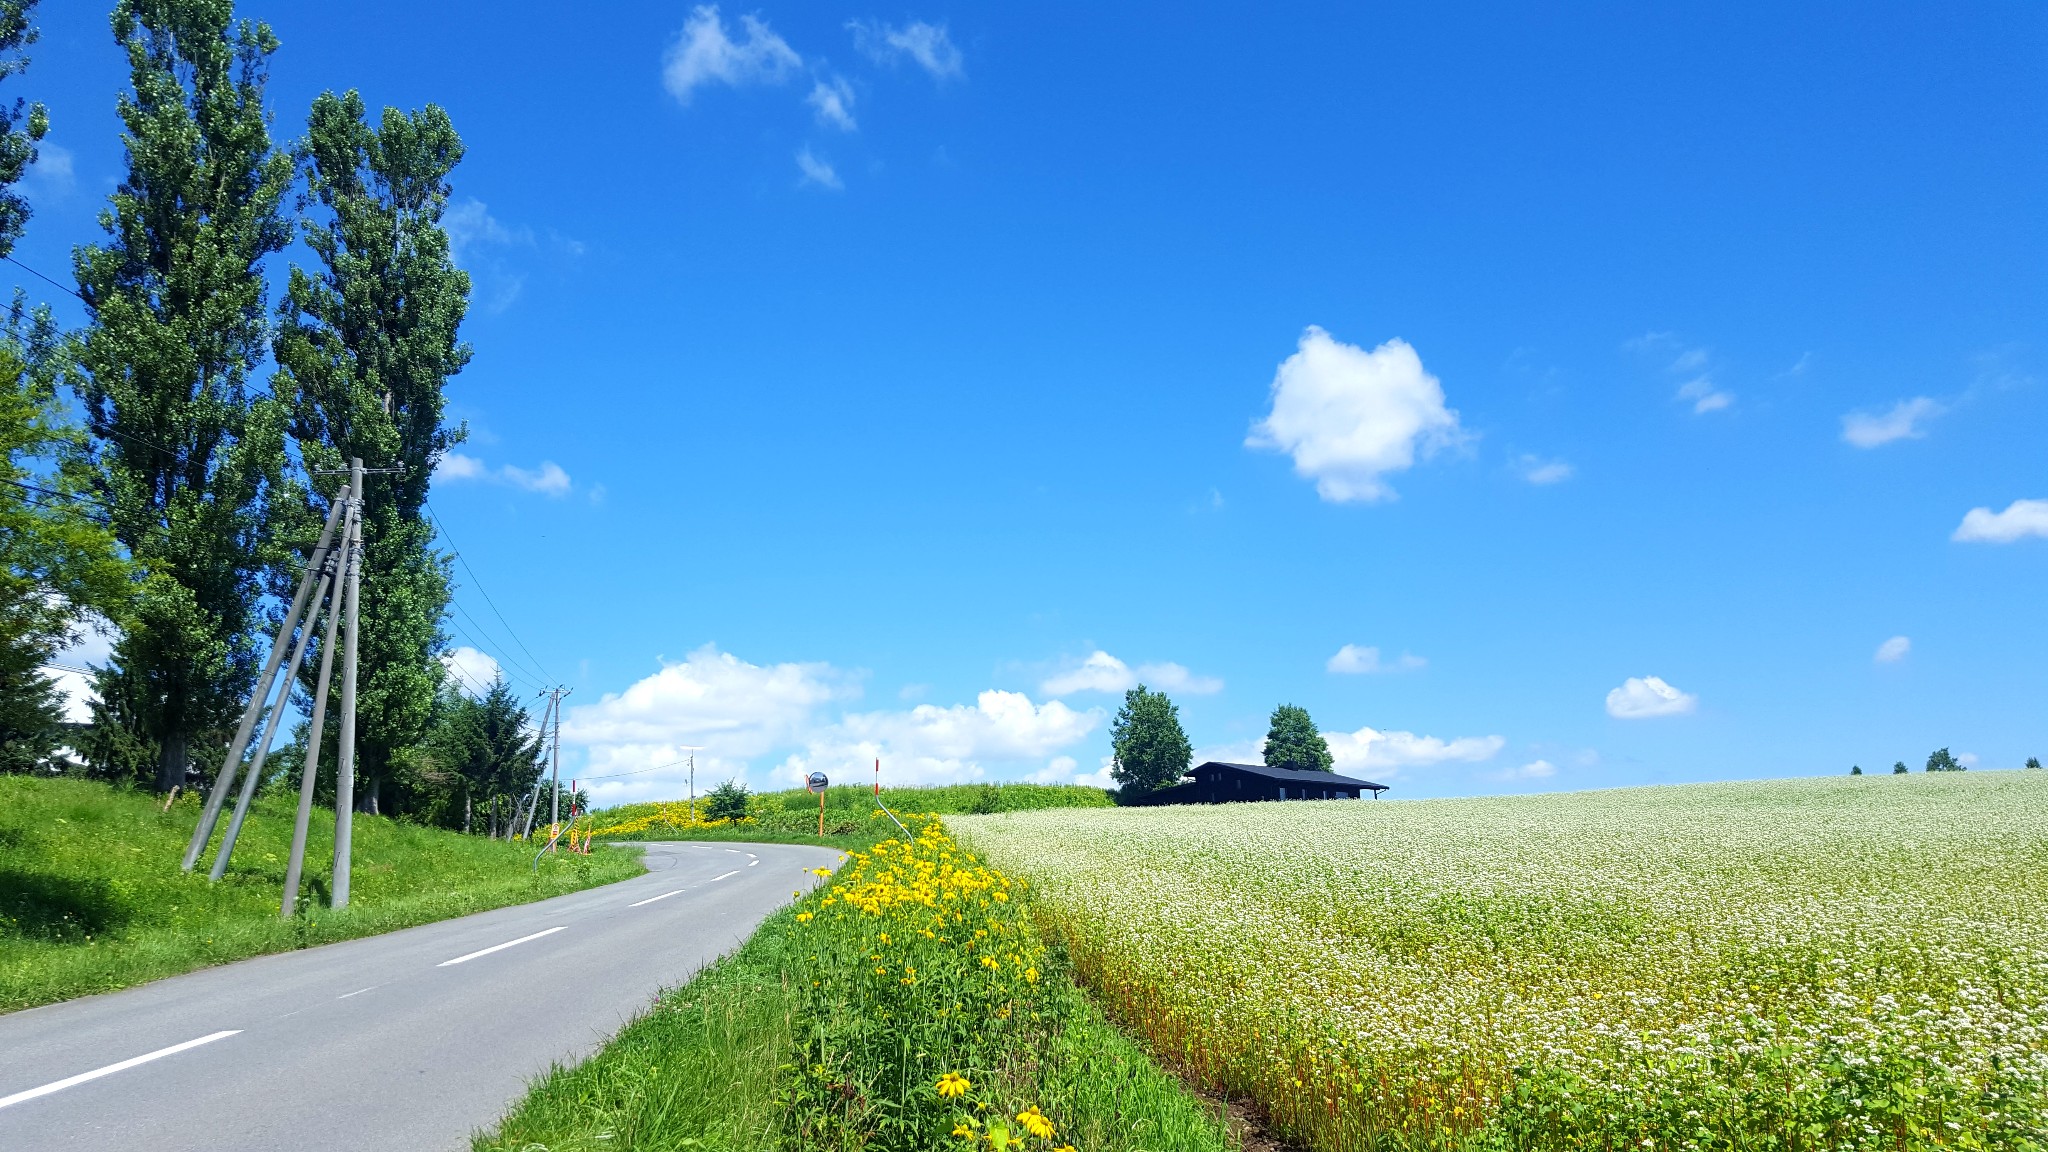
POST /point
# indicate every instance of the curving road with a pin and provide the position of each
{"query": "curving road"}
(411, 1040)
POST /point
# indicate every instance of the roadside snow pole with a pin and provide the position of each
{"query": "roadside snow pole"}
(878, 776)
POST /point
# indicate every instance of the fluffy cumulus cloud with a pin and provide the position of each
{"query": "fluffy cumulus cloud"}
(1370, 750)
(927, 45)
(2021, 518)
(1893, 650)
(1101, 672)
(930, 744)
(1353, 660)
(92, 646)
(706, 52)
(1905, 420)
(1643, 697)
(813, 170)
(832, 100)
(471, 670)
(1349, 416)
(773, 724)
(549, 479)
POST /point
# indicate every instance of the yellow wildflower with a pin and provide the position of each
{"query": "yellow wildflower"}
(954, 1084)
(1035, 1122)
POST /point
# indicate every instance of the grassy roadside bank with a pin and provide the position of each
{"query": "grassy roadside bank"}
(851, 816)
(91, 898)
(908, 1005)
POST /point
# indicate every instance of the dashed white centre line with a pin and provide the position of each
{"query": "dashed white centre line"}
(652, 899)
(357, 992)
(753, 862)
(501, 947)
(716, 879)
(109, 1070)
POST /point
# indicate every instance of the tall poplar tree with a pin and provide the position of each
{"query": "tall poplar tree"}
(366, 345)
(175, 299)
(21, 125)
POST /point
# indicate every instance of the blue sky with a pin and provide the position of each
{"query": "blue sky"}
(1616, 385)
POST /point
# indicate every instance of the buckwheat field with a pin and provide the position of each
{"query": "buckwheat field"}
(1847, 963)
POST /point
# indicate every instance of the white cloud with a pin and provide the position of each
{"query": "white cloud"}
(929, 744)
(548, 479)
(1348, 416)
(478, 242)
(927, 44)
(1352, 660)
(1640, 698)
(1533, 770)
(833, 101)
(816, 171)
(1539, 471)
(472, 671)
(2021, 518)
(1901, 422)
(1893, 650)
(92, 646)
(1690, 363)
(1101, 672)
(704, 53)
(1386, 753)
(52, 174)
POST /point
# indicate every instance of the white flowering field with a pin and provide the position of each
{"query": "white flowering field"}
(1845, 963)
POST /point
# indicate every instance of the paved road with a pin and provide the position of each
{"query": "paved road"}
(407, 1041)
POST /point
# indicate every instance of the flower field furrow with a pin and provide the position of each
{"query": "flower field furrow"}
(1822, 964)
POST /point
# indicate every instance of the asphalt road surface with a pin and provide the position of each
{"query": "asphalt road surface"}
(410, 1040)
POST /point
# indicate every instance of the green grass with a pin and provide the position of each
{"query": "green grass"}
(851, 817)
(91, 897)
(794, 1043)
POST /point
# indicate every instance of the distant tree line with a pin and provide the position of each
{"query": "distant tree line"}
(169, 464)
(1940, 760)
(1150, 750)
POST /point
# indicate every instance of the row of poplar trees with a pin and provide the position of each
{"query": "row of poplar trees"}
(212, 422)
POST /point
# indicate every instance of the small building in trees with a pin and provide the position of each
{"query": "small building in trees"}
(1218, 783)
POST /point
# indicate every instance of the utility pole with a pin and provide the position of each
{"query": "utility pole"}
(316, 565)
(295, 865)
(555, 761)
(345, 771)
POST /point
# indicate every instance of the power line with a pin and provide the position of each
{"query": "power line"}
(442, 527)
(510, 662)
(52, 283)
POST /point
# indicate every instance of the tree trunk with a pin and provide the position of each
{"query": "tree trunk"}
(170, 767)
(465, 812)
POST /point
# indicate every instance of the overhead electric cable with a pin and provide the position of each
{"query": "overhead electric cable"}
(442, 527)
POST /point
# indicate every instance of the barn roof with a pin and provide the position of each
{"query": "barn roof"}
(1291, 775)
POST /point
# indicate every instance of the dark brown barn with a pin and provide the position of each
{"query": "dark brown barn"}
(1218, 783)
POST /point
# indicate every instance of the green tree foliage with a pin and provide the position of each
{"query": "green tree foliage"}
(21, 125)
(60, 561)
(1899, 768)
(1855, 770)
(1150, 749)
(2033, 763)
(1292, 741)
(728, 801)
(175, 299)
(365, 345)
(485, 755)
(1940, 761)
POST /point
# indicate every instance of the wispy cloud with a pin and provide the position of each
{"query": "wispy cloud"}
(832, 100)
(1101, 672)
(1691, 365)
(1893, 650)
(1536, 470)
(926, 44)
(1353, 660)
(2021, 519)
(52, 174)
(548, 479)
(813, 170)
(1904, 420)
(705, 53)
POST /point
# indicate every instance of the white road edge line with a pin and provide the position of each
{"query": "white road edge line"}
(357, 992)
(109, 1070)
(716, 879)
(501, 947)
(652, 899)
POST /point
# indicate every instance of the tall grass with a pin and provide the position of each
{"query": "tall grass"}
(92, 899)
(833, 1027)
(791, 816)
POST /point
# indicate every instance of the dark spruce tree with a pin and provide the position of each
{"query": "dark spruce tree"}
(1940, 761)
(1898, 768)
(366, 344)
(1293, 742)
(1150, 751)
(176, 323)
